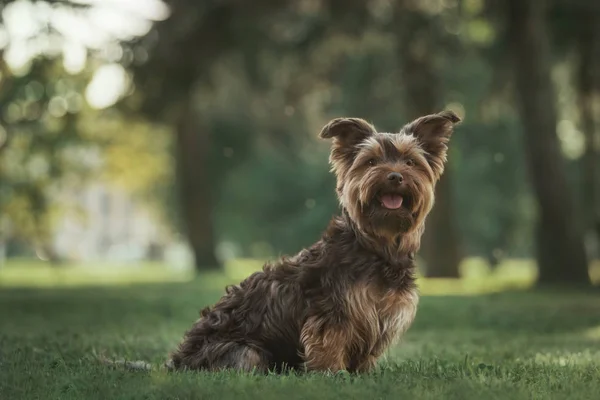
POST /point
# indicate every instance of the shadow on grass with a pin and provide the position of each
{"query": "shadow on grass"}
(524, 311)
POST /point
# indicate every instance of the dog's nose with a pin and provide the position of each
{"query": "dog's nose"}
(395, 176)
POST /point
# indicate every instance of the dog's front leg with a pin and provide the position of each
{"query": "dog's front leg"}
(325, 345)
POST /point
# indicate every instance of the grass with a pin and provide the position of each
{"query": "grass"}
(475, 338)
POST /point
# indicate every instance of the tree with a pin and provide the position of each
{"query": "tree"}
(196, 192)
(178, 69)
(587, 86)
(560, 252)
(167, 84)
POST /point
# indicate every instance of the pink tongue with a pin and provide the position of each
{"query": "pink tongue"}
(391, 201)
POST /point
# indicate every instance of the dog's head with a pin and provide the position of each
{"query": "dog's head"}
(386, 181)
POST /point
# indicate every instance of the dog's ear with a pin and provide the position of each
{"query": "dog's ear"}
(347, 131)
(433, 133)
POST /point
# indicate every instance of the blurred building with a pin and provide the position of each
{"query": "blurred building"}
(105, 224)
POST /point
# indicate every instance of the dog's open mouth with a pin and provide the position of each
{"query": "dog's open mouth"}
(391, 201)
(394, 200)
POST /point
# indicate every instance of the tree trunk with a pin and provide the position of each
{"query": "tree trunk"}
(440, 247)
(587, 84)
(560, 251)
(195, 189)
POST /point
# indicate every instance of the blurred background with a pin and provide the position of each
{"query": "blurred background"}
(148, 140)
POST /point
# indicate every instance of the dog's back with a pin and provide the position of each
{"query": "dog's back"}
(253, 326)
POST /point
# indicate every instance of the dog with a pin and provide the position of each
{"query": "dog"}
(339, 304)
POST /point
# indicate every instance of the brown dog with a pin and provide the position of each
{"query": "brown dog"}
(340, 303)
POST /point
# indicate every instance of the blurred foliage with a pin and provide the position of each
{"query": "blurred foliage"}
(262, 89)
(54, 144)
(43, 146)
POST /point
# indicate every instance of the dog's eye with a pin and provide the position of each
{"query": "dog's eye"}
(410, 162)
(372, 162)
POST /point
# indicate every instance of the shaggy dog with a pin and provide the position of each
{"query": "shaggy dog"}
(340, 303)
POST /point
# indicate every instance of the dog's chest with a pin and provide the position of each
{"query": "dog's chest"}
(380, 312)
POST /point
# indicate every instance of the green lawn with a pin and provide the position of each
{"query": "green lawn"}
(469, 341)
